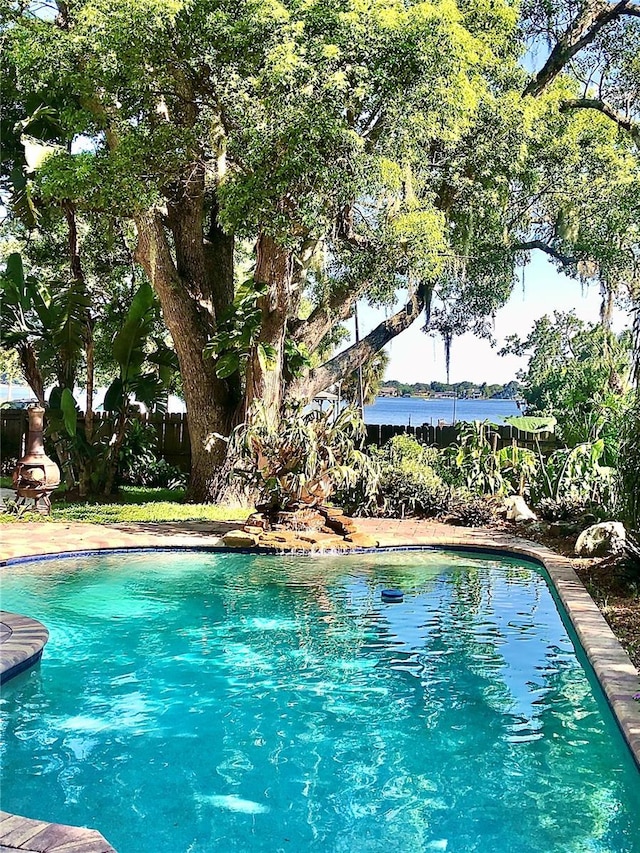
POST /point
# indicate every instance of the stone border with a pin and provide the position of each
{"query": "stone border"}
(611, 664)
(22, 640)
(37, 836)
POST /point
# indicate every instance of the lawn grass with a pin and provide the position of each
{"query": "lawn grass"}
(134, 504)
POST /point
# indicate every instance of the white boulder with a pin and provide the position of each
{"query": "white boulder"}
(517, 509)
(608, 537)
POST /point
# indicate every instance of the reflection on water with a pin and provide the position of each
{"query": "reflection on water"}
(195, 702)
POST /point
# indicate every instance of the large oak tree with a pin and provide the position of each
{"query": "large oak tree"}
(361, 149)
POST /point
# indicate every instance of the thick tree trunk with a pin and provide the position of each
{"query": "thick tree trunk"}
(190, 319)
(219, 263)
(274, 267)
(635, 332)
(75, 264)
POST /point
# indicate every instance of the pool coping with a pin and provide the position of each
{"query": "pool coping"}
(612, 666)
(22, 641)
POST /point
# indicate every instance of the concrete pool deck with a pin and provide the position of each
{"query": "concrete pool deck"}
(617, 675)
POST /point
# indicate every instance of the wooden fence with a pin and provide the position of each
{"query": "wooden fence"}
(445, 436)
(172, 432)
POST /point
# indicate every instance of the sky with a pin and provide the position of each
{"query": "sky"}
(416, 357)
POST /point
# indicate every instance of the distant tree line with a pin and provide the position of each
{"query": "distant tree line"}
(493, 391)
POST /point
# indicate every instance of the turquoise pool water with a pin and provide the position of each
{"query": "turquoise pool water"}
(195, 702)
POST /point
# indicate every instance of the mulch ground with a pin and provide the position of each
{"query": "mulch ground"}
(616, 591)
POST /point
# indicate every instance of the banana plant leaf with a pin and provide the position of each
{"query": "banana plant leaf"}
(527, 423)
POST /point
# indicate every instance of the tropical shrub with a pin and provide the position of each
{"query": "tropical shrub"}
(303, 459)
(475, 462)
(574, 477)
(155, 474)
(469, 509)
(518, 467)
(137, 452)
(409, 484)
(566, 509)
(577, 372)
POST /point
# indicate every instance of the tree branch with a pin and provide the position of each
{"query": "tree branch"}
(632, 127)
(339, 306)
(582, 31)
(565, 260)
(346, 362)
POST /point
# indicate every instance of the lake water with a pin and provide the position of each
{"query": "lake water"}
(415, 411)
(406, 411)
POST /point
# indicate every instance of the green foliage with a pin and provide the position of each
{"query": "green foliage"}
(518, 467)
(373, 372)
(578, 374)
(628, 470)
(474, 460)
(302, 460)
(46, 316)
(469, 509)
(160, 474)
(138, 464)
(238, 330)
(409, 484)
(137, 452)
(574, 476)
(405, 451)
(393, 135)
(130, 348)
(530, 423)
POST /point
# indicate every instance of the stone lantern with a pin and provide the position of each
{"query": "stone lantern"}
(35, 476)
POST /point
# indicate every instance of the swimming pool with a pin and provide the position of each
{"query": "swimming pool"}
(194, 702)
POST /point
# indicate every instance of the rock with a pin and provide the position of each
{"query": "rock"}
(608, 537)
(300, 519)
(363, 540)
(290, 541)
(331, 511)
(253, 529)
(239, 539)
(329, 544)
(341, 524)
(517, 509)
